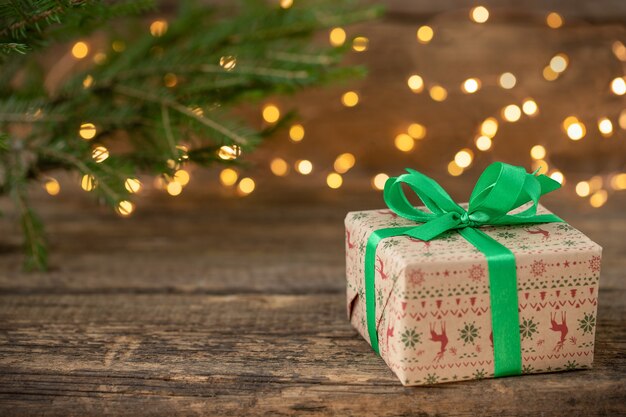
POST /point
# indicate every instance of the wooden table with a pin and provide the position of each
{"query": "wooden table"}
(225, 306)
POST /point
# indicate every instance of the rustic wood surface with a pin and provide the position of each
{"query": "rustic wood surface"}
(209, 304)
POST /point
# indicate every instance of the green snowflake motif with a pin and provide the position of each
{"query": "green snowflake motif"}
(524, 247)
(449, 237)
(389, 243)
(431, 379)
(528, 328)
(468, 333)
(506, 235)
(361, 248)
(427, 254)
(527, 369)
(571, 365)
(569, 243)
(379, 297)
(479, 374)
(395, 223)
(587, 323)
(358, 216)
(565, 227)
(410, 338)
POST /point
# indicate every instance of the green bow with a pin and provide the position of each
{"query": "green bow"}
(500, 189)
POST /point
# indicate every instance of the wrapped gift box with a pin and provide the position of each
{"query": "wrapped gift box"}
(433, 302)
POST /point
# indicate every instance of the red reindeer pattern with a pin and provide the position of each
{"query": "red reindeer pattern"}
(538, 230)
(559, 327)
(380, 268)
(390, 330)
(350, 244)
(389, 213)
(441, 338)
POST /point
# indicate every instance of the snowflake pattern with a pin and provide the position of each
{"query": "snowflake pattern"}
(594, 264)
(416, 277)
(477, 273)
(432, 379)
(538, 268)
(565, 227)
(468, 333)
(571, 365)
(479, 374)
(528, 328)
(587, 323)
(506, 235)
(410, 338)
(527, 369)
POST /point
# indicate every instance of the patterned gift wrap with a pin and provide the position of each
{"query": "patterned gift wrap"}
(433, 304)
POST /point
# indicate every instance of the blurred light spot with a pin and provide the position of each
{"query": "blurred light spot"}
(583, 189)
(100, 58)
(228, 153)
(378, 182)
(454, 169)
(622, 119)
(304, 167)
(596, 183)
(558, 177)
(549, 74)
(425, 34)
(559, 63)
(618, 86)
(350, 99)
(416, 83)
(511, 113)
(576, 131)
(618, 181)
(334, 180)
(344, 162)
(88, 81)
(540, 166)
(489, 127)
(88, 182)
(99, 154)
(598, 199)
(125, 208)
(279, 167)
(619, 50)
(285, 4)
(605, 126)
(404, 142)
(80, 50)
(416, 131)
(182, 177)
(479, 14)
(554, 20)
(337, 36)
(360, 44)
(52, 186)
(170, 80)
(529, 107)
(133, 185)
(158, 28)
(438, 93)
(471, 85)
(483, 143)
(296, 133)
(463, 158)
(507, 80)
(228, 62)
(271, 113)
(174, 188)
(228, 177)
(118, 46)
(537, 152)
(87, 131)
(246, 186)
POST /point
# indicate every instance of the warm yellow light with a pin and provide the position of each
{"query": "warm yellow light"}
(404, 142)
(228, 177)
(344, 162)
(279, 167)
(489, 127)
(174, 188)
(52, 186)
(559, 63)
(285, 4)
(228, 62)
(379, 180)
(454, 169)
(549, 74)
(416, 131)
(182, 177)
(88, 182)
(416, 83)
(87, 82)
(271, 113)
(583, 189)
(622, 119)
(228, 153)
(471, 85)
(334, 180)
(554, 20)
(479, 14)
(125, 208)
(537, 152)
(529, 107)
(558, 177)
(100, 58)
(99, 154)
(511, 113)
(618, 181)
(87, 131)
(296, 133)
(118, 46)
(337, 36)
(598, 199)
(360, 44)
(619, 50)
(425, 34)
(350, 99)
(80, 50)
(576, 131)
(483, 143)
(568, 121)
(618, 86)
(605, 126)
(170, 80)
(158, 28)
(463, 158)
(596, 182)
(304, 167)
(540, 166)
(438, 93)
(507, 80)
(133, 185)
(246, 186)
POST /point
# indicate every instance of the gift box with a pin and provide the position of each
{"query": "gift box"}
(438, 303)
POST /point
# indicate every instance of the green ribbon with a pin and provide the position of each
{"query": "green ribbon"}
(500, 189)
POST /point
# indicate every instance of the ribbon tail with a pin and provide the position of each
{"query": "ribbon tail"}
(507, 347)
